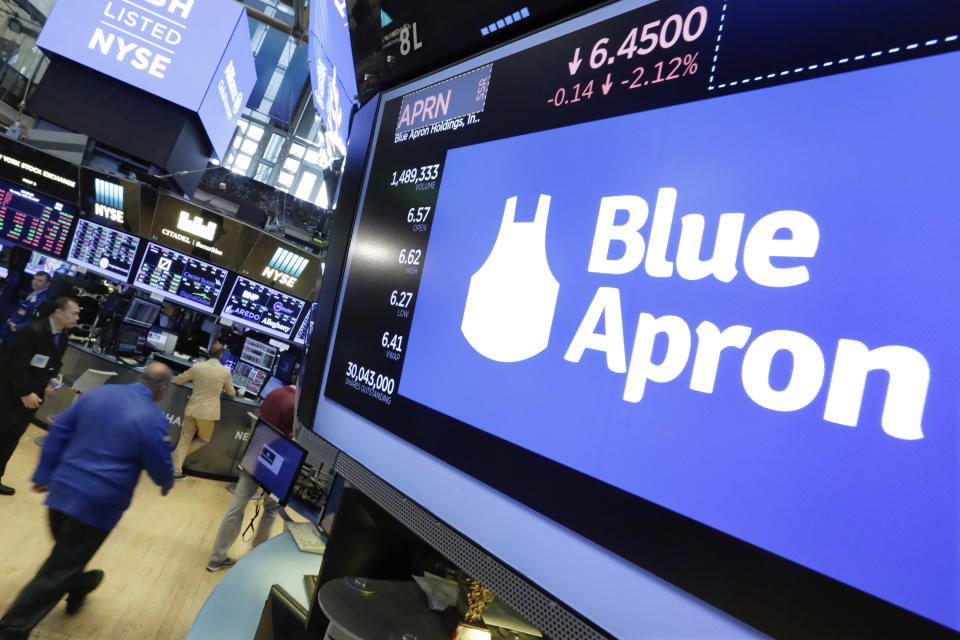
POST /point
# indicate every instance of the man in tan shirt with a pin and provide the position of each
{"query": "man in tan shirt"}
(203, 408)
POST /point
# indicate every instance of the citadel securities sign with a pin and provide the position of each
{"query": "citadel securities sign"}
(179, 50)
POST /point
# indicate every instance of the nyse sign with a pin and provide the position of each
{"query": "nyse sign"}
(277, 276)
(171, 48)
(285, 267)
(191, 53)
(141, 37)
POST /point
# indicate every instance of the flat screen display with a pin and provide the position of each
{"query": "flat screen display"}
(260, 307)
(35, 221)
(228, 360)
(249, 378)
(142, 313)
(35, 170)
(181, 278)
(272, 384)
(39, 262)
(676, 278)
(273, 460)
(106, 251)
(258, 354)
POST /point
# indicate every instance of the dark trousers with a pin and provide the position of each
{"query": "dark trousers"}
(14, 420)
(74, 545)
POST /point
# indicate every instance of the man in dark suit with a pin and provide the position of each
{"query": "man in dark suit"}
(27, 309)
(30, 364)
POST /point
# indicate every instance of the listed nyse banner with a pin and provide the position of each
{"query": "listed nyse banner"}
(190, 52)
(711, 278)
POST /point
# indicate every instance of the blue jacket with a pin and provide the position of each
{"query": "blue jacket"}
(23, 315)
(95, 451)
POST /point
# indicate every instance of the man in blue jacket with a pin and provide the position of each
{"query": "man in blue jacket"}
(90, 464)
(27, 309)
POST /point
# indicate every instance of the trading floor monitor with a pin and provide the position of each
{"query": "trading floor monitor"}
(272, 460)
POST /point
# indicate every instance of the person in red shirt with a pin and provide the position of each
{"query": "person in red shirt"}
(277, 409)
(279, 405)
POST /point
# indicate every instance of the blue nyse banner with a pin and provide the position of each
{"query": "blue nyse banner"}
(708, 309)
(170, 48)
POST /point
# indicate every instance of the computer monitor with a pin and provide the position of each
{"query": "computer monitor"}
(271, 385)
(39, 262)
(131, 340)
(141, 312)
(228, 360)
(249, 378)
(272, 460)
(258, 353)
(286, 365)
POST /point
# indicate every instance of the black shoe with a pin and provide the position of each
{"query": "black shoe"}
(6, 491)
(88, 581)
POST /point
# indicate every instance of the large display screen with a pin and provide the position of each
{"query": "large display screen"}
(35, 221)
(265, 309)
(37, 170)
(693, 273)
(190, 53)
(107, 251)
(184, 279)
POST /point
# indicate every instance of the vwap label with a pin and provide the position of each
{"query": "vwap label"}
(512, 298)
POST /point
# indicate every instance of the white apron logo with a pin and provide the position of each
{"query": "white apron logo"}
(512, 300)
(513, 296)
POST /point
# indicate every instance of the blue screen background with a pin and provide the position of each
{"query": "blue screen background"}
(278, 483)
(869, 155)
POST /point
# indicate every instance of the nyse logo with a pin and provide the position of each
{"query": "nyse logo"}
(108, 200)
(512, 299)
(285, 267)
(196, 226)
(141, 51)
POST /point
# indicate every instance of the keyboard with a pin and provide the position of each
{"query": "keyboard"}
(307, 537)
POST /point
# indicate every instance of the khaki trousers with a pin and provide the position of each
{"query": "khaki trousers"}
(202, 430)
